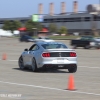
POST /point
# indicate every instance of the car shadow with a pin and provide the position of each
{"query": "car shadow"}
(43, 71)
(53, 71)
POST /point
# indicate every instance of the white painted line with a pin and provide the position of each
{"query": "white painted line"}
(14, 98)
(49, 88)
(89, 67)
(82, 66)
(12, 60)
(8, 60)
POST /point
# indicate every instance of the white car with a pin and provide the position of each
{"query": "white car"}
(44, 39)
(48, 55)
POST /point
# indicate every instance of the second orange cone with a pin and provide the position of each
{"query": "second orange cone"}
(4, 56)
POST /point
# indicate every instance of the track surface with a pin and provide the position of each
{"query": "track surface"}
(48, 85)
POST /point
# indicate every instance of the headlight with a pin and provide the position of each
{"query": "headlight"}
(92, 43)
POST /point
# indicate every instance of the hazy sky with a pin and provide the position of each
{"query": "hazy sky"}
(24, 8)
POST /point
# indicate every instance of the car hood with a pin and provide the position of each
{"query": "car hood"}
(43, 40)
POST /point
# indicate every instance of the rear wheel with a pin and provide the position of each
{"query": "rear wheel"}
(34, 65)
(97, 47)
(20, 62)
(72, 69)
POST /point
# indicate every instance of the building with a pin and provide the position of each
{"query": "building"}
(21, 19)
(87, 22)
(78, 22)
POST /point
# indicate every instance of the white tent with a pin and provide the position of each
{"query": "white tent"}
(5, 33)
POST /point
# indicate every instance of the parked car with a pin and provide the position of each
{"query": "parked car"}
(97, 38)
(45, 39)
(48, 55)
(26, 38)
(85, 41)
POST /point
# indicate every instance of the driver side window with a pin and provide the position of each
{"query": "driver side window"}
(34, 47)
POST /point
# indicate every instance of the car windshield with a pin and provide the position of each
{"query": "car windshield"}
(87, 38)
(28, 37)
(54, 46)
(47, 38)
(44, 38)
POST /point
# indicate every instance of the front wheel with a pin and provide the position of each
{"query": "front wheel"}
(20, 62)
(72, 69)
(74, 47)
(87, 47)
(34, 65)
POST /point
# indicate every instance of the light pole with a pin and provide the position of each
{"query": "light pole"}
(82, 25)
(98, 16)
(99, 6)
(35, 31)
(94, 23)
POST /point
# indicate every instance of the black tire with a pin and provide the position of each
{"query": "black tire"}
(87, 47)
(20, 63)
(72, 69)
(97, 47)
(34, 65)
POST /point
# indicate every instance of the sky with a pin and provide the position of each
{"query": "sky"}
(25, 8)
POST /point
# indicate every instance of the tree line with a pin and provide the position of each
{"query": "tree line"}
(30, 25)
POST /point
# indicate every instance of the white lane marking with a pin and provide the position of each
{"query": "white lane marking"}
(14, 98)
(49, 88)
(8, 60)
(89, 67)
(12, 60)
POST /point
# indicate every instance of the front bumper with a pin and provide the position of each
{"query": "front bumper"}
(97, 45)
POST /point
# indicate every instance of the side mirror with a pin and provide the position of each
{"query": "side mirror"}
(25, 49)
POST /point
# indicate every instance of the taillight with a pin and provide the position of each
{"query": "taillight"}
(72, 54)
(46, 54)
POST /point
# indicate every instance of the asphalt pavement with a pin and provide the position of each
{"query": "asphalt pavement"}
(50, 84)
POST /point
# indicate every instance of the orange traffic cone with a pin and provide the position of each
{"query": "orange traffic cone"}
(4, 56)
(71, 83)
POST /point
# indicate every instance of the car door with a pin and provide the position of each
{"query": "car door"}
(24, 38)
(33, 52)
(25, 57)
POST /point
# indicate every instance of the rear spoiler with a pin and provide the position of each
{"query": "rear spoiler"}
(47, 50)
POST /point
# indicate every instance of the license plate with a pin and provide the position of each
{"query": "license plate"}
(60, 60)
(60, 66)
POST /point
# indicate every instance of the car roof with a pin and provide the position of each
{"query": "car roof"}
(89, 36)
(41, 43)
(27, 36)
